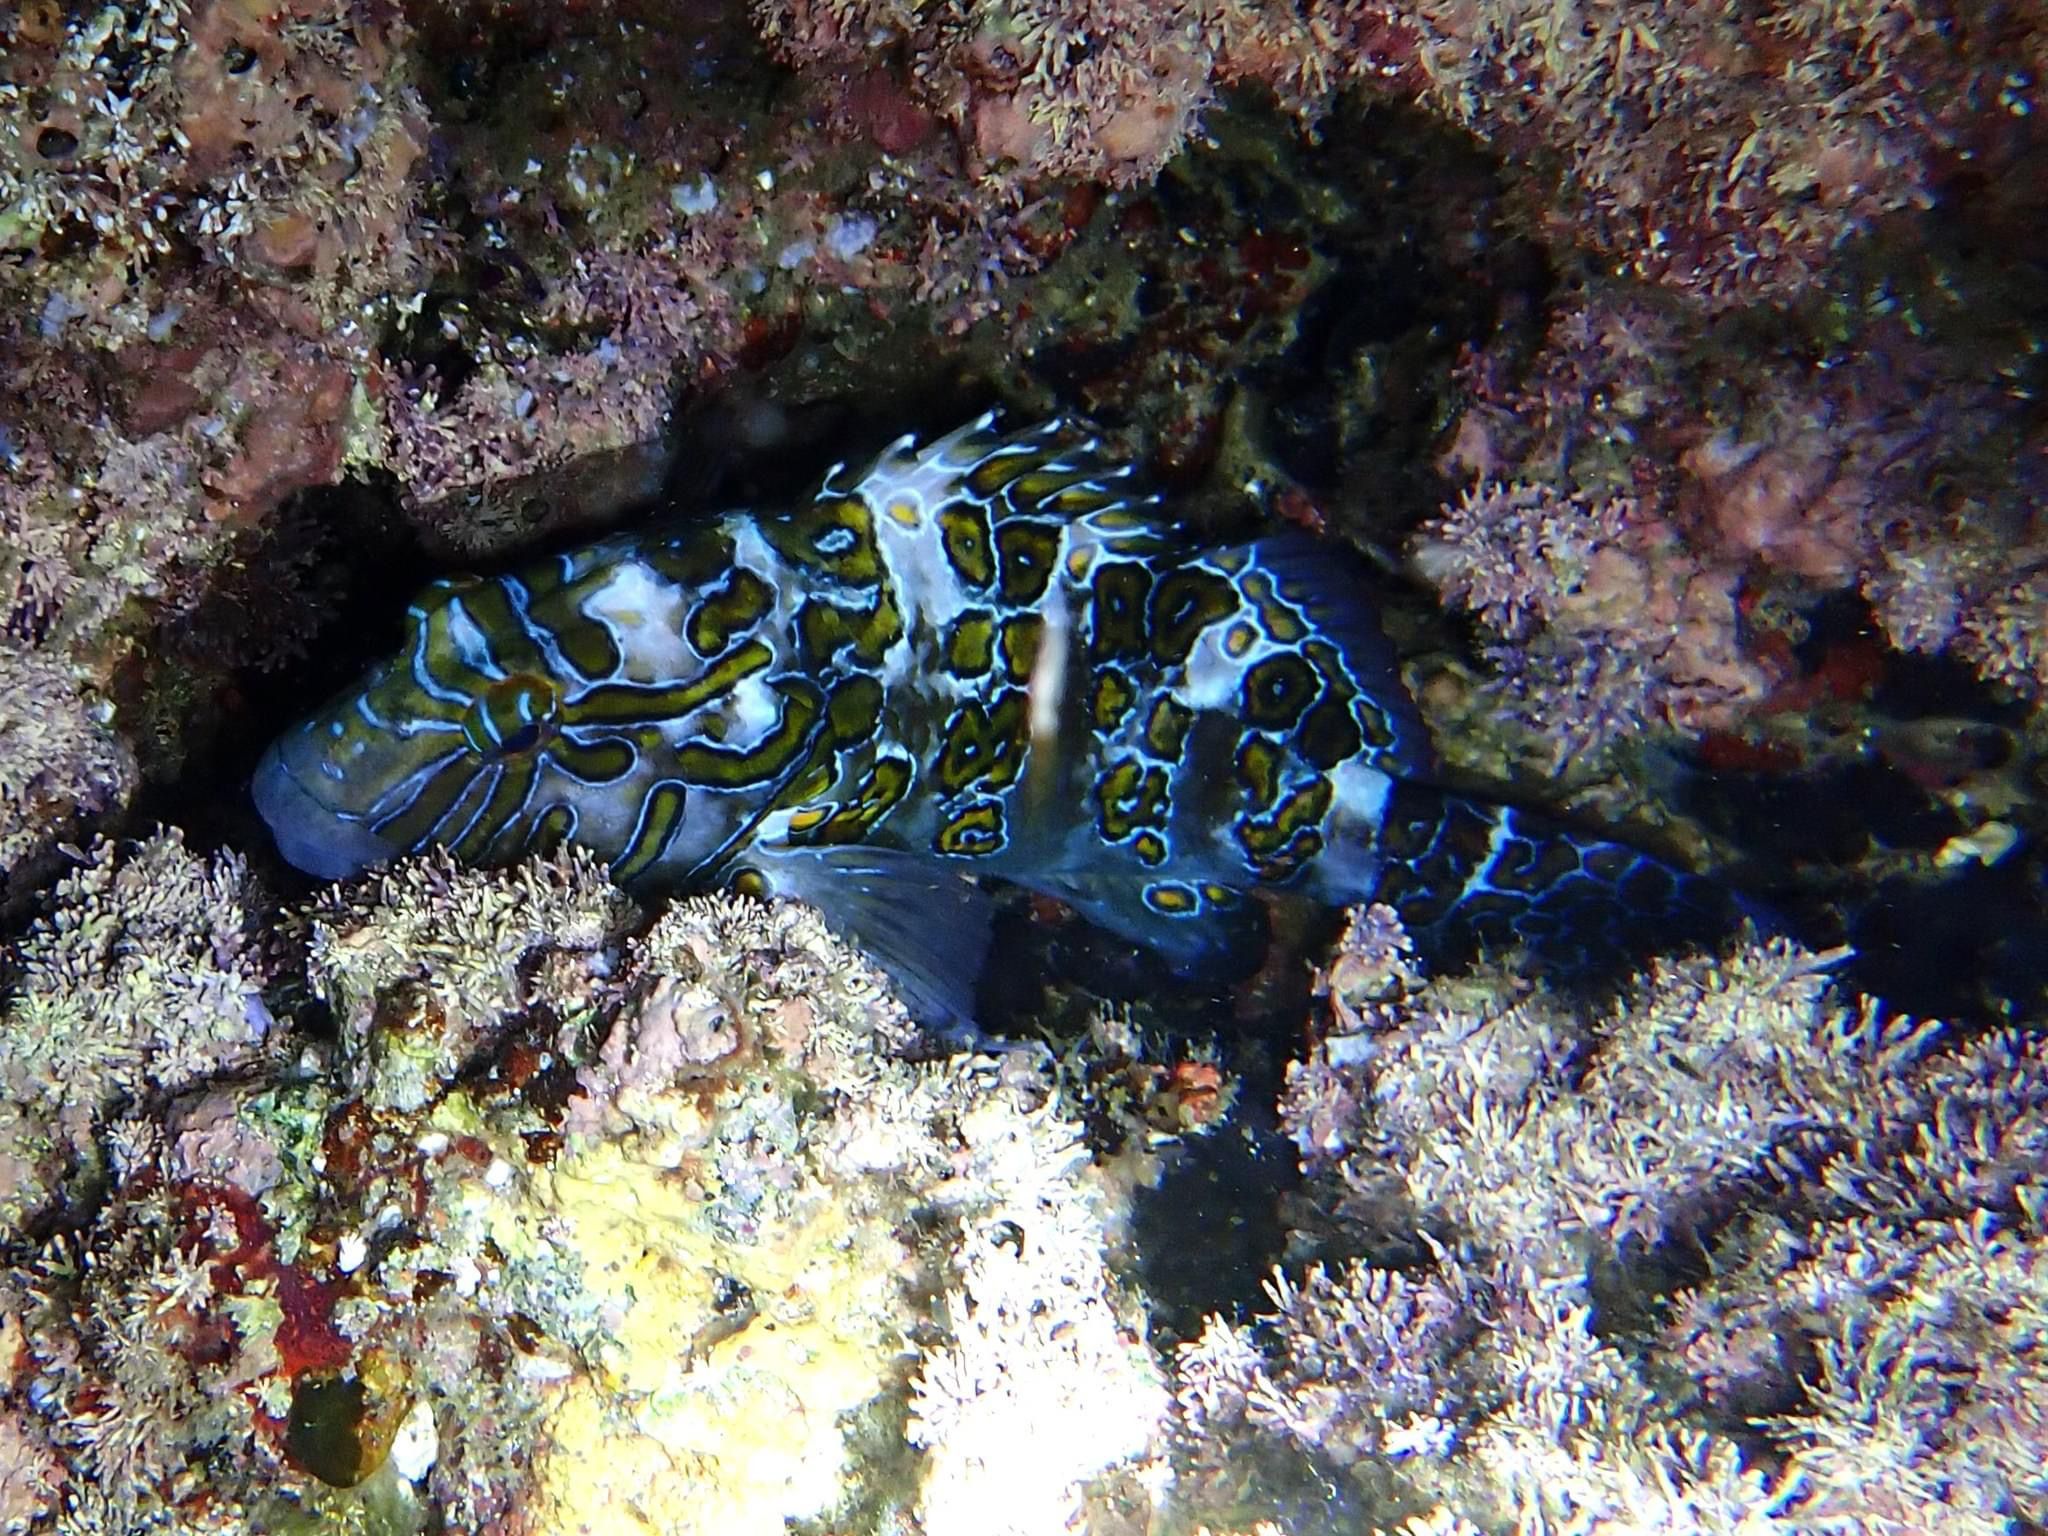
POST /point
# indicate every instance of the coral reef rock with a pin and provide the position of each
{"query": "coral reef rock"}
(571, 1224)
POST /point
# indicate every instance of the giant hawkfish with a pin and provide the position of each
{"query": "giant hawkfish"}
(986, 656)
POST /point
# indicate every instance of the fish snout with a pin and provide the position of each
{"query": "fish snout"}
(312, 836)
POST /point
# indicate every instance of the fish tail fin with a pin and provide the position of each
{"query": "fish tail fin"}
(1469, 876)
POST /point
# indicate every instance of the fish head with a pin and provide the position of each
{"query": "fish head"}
(440, 742)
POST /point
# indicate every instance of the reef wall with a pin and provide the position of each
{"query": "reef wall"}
(1678, 365)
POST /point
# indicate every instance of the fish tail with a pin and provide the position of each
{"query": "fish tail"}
(1471, 876)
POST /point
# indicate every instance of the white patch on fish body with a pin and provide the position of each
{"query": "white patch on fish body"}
(751, 710)
(1047, 688)
(1214, 678)
(751, 552)
(644, 612)
(1358, 806)
(471, 644)
(904, 497)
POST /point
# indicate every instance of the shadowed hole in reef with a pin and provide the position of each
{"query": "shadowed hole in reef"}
(1855, 846)
(1973, 949)
(1209, 1233)
(1968, 944)
(323, 1432)
(1363, 392)
(309, 603)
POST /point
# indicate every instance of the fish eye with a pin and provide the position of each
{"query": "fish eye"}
(514, 715)
(525, 739)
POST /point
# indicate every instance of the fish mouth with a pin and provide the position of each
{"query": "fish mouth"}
(311, 836)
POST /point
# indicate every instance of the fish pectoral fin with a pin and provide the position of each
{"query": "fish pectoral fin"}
(1200, 928)
(917, 917)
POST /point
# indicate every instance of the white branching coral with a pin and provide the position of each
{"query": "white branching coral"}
(569, 1228)
(1909, 1331)
(58, 764)
(1043, 1347)
(31, 1472)
(1550, 1134)
(713, 1262)
(431, 958)
(1855, 1202)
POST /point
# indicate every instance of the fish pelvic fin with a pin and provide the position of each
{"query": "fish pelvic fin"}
(921, 920)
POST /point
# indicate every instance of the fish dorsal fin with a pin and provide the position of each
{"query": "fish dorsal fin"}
(1055, 471)
(921, 920)
(1307, 576)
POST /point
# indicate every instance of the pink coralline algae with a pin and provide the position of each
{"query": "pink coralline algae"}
(1102, 89)
(1723, 151)
(279, 139)
(657, 252)
(526, 409)
(203, 210)
(1568, 545)
(1612, 626)
(1728, 151)
(132, 480)
(1635, 516)
(1958, 587)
